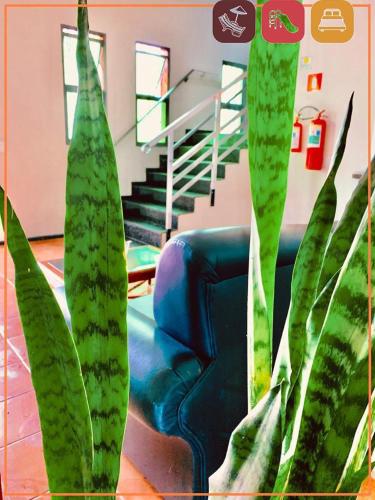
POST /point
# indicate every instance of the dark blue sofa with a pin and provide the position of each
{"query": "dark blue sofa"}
(187, 346)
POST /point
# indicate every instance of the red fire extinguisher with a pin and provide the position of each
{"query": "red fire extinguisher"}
(315, 143)
(297, 136)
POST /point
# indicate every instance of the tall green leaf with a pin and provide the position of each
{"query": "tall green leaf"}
(342, 347)
(55, 371)
(254, 450)
(342, 237)
(300, 336)
(271, 89)
(357, 464)
(294, 407)
(310, 256)
(95, 268)
(339, 446)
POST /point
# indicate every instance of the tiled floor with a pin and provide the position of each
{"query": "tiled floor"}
(25, 464)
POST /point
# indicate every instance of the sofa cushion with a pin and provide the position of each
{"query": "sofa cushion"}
(192, 260)
(162, 371)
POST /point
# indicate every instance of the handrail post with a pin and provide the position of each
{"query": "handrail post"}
(169, 192)
(215, 148)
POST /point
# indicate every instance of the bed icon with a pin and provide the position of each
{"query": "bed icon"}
(232, 25)
(332, 19)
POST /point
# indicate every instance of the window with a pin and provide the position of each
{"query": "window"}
(69, 36)
(233, 100)
(152, 82)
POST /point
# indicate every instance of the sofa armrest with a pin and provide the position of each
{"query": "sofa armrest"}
(162, 370)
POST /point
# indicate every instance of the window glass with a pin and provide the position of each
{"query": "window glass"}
(150, 74)
(153, 123)
(71, 101)
(152, 83)
(232, 101)
(69, 58)
(225, 116)
(229, 75)
(70, 72)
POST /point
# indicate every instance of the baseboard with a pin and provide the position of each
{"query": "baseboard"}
(39, 238)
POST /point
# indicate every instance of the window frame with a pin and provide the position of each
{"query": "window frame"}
(74, 88)
(146, 97)
(235, 107)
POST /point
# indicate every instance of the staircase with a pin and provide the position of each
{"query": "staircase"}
(196, 160)
(145, 209)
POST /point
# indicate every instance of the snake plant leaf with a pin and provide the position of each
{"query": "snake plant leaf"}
(292, 419)
(55, 370)
(254, 450)
(342, 346)
(95, 268)
(357, 465)
(310, 256)
(353, 483)
(342, 237)
(341, 455)
(272, 76)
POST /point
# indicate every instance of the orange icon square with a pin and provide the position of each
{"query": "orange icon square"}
(332, 21)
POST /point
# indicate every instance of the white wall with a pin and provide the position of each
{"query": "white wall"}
(232, 201)
(37, 150)
(344, 68)
(36, 145)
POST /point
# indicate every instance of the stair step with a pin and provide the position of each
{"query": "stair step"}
(197, 169)
(224, 139)
(197, 136)
(160, 179)
(145, 232)
(148, 211)
(143, 192)
(200, 131)
(232, 157)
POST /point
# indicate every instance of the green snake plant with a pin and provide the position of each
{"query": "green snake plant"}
(80, 377)
(307, 426)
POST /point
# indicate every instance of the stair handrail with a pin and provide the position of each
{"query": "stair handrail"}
(210, 154)
(163, 98)
(146, 148)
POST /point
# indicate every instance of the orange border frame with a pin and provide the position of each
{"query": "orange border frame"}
(368, 6)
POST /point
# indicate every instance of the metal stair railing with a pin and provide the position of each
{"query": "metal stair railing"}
(166, 96)
(216, 140)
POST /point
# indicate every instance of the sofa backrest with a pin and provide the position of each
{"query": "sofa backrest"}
(201, 282)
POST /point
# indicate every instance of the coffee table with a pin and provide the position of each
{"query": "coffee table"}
(141, 264)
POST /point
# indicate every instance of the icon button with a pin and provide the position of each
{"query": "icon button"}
(283, 21)
(234, 21)
(332, 21)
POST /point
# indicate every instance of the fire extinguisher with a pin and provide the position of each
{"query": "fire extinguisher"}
(297, 136)
(315, 143)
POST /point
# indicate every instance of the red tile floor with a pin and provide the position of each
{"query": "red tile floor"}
(26, 474)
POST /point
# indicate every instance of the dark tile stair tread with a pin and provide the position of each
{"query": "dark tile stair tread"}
(156, 206)
(190, 194)
(188, 176)
(148, 226)
(199, 131)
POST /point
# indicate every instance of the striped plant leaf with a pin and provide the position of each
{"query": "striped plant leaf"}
(355, 482)
(310, 256)
(271, 89)
(55, 370)
(306, 314)
(357, 465)
(95, 267)
(254, 450)
(342, 347)
(342, 237)
(342, 456)
(295, 403)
